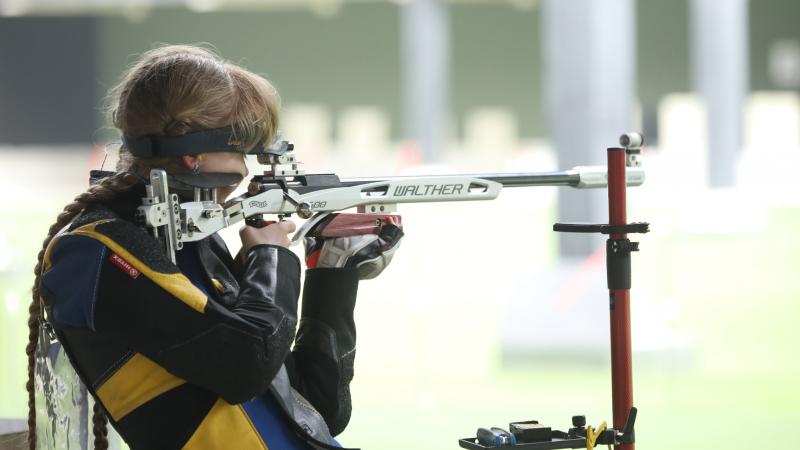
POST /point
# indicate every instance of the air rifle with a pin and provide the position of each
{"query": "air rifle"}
(285, 189)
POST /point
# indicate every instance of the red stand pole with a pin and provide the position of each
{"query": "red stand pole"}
(621, 372)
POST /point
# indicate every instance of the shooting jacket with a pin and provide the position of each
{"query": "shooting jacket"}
(199, 354)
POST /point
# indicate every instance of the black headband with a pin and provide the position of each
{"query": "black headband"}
(206, 141)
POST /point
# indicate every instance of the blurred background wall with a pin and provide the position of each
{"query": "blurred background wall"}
(505, 321)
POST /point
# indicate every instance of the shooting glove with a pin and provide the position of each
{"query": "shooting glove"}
(364, 241)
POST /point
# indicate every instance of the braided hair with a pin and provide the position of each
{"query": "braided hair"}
(172, 90)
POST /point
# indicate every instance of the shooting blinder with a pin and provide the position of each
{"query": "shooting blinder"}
(206, 141)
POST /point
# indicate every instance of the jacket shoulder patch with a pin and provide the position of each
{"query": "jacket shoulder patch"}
(126, 267)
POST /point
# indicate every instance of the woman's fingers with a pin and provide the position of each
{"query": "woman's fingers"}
(288, 226)
(274, 234)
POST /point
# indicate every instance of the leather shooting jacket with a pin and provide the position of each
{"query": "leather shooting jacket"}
(202, 353)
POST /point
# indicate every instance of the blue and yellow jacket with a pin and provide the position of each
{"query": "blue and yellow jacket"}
(207, 353)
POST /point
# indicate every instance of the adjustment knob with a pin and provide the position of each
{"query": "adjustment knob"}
(578, 421)
(631, 140)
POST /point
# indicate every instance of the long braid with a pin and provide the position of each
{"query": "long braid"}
(100, 428)
(106, 189)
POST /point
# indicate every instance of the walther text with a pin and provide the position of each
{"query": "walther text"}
(427, 189)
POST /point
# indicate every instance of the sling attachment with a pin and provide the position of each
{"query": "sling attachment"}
(618, 250)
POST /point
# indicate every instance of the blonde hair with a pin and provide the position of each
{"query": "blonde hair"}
(178, 89)
(171, 90)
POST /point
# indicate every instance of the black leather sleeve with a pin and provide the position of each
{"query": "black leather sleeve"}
(321, 364)
(234, 352)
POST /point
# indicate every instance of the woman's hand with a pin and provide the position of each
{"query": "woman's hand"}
(364, 241)
(274, 234)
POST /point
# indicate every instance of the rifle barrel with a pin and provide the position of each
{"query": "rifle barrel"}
(564, 178)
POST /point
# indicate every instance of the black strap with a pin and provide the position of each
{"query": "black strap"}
(603, 228)
(206, 141)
